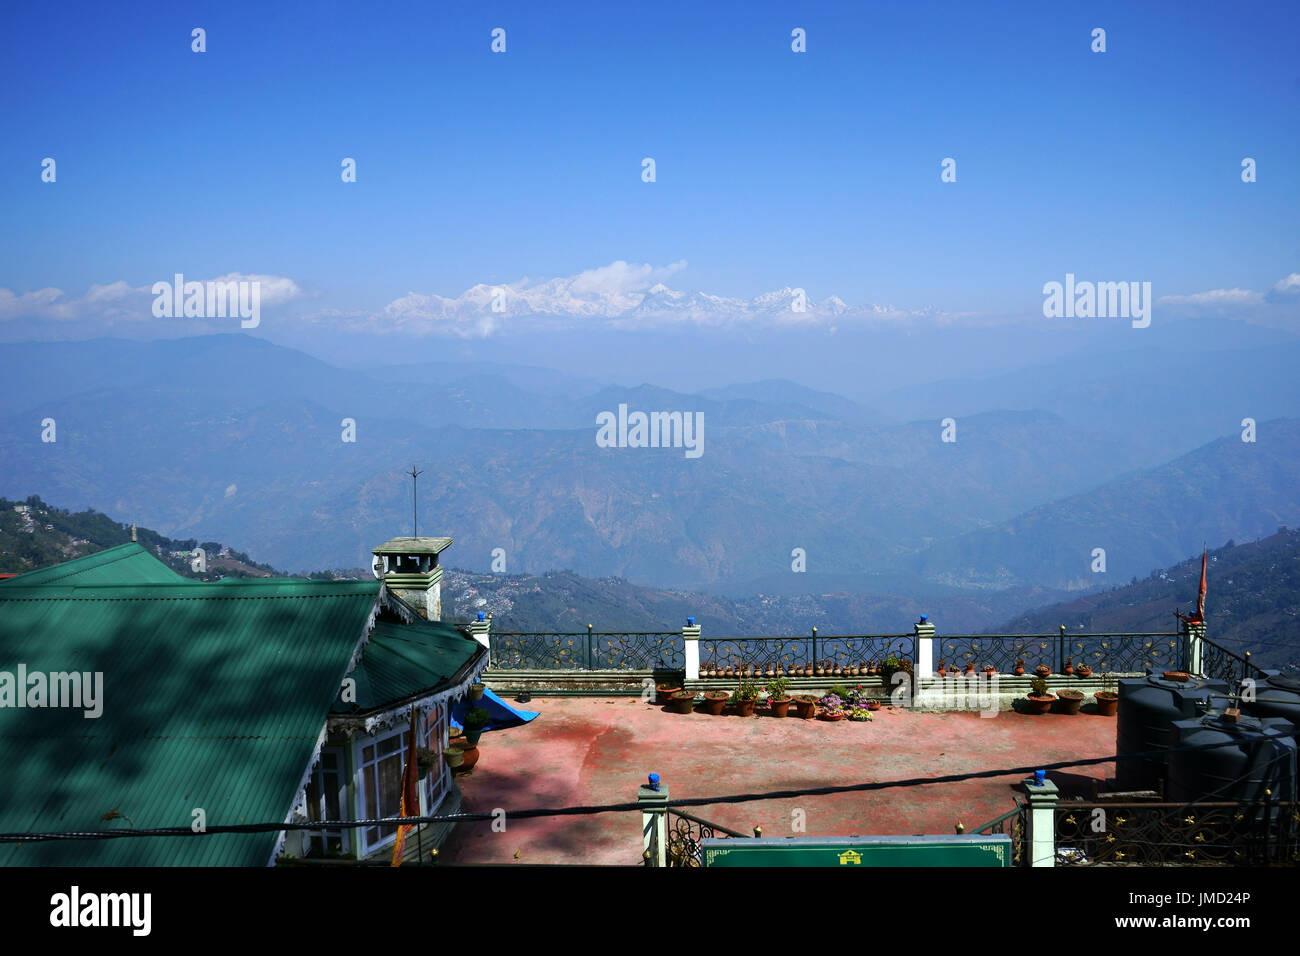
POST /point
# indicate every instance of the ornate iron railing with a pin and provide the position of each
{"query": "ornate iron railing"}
(1104, 653)
(588, 650)
(1168, 834)
(1012, 823)
(685, 835)
(835, 655)
(1219, 662)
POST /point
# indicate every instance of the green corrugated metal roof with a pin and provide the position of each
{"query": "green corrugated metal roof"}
(402, 660)
(125, 564)
(214, 696)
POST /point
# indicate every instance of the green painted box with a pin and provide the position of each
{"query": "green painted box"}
(966, 850)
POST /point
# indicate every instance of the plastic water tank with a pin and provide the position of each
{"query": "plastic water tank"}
(1277, 695)
(1148, 707)
(1259, 753)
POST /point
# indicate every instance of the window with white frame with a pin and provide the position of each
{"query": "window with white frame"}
(379, 768)
(435, 781)
(326, 798)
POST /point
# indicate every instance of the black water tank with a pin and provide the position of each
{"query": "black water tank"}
(1260, 753)
(1277, 695)
(1148, 706)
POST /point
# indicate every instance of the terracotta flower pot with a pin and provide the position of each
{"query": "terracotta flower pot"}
(825, 716)
(1042, 670)
(683, 702)
(468, 759)
(1071, 701)
(1107, 703)
(1069, 667)
(805, 707)
(1083, 670)
(1040, 705)
(714, 701)
(477, 690)
(745, 708)
(666, 692)
(1020, 670)
(779, 706)
(873, 704)
(455, 756)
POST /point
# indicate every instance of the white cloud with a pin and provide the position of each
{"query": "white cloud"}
(120, 301)
(1278, 307)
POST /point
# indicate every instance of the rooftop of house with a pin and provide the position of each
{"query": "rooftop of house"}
(585, 751)
(406, 661)
(214, 697)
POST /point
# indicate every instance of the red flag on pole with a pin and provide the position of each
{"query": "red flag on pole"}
(410, 790)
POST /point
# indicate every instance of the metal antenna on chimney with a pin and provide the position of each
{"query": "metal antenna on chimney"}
(415, 484)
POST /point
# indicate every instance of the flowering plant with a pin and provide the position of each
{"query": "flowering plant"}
(857, 697)
(747, 690)
(859, 713)
(831, 704)
(776, 688)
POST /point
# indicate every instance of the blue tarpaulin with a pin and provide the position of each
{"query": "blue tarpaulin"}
(501, 714)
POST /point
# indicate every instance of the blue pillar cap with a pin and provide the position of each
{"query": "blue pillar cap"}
(925, 617)
(1040, 777)
(480, 615)
(690, 622)
(654, 781)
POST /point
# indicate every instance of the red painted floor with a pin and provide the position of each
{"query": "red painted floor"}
(598, 750)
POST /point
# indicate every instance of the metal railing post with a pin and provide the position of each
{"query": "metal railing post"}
(813, 652)
(589, 657)
(654, 822)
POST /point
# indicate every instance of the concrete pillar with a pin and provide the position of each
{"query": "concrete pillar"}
(1194, 646)
(691, 640)
(924, 631)
(1042, 822)
(654, 822)
(482, 630)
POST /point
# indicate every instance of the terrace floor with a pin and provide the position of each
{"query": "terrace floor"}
(597, 750)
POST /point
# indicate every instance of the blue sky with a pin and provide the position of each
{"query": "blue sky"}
(817, 170)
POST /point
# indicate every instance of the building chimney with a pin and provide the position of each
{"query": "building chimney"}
(409, 568)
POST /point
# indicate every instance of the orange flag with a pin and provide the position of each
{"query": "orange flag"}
(1200, 598)
(410, 790)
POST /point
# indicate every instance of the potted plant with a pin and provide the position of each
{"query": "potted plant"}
(859, 713)
(714, 701)
(1040, 701)
(1042, 670)
(477, 690)
(1069, 666)
(1107, 699)
(746, 697)
(667, 690)
(1083, 670)
(454, 755)
(989, 670)
(942, 669)
(805, 705)
(1071, 700)
(1020, 667)
(683, 701)
(475, 721)
(969, 668)
(426, 761)
(831, 707)
(873, 704)
(778, 701)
